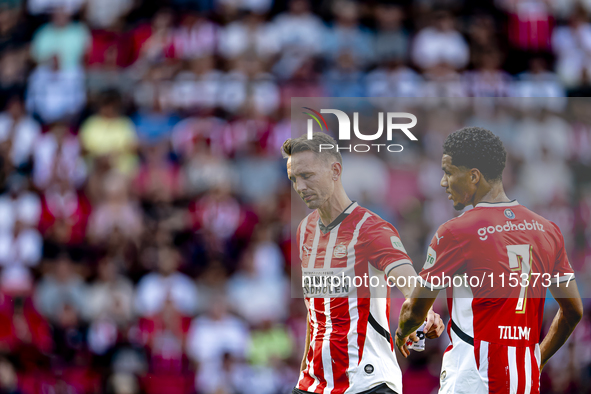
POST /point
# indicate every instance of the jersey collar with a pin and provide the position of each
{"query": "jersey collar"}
(338, 220)
(511, 203)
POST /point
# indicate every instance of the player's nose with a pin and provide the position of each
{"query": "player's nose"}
(300, 186)
(443, 181)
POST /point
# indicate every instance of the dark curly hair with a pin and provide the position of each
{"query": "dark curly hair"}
(475, 147)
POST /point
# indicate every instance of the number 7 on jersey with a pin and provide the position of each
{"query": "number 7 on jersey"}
(519, 259)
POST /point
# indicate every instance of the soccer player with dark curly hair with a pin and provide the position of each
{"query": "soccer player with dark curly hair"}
(505, 257)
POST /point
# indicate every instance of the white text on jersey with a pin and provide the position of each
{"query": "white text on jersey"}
(514, 332)
(509, 226)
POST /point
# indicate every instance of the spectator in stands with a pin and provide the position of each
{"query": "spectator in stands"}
(195, 38)
(266, 295)
(393, 79)
(13, 73)
(57, 156)
(572, 44)
(488, 80)
(116, 213)
(346, 34)
(440, 43)
(197, 87)
(154, 289)
(213, 335)
(61, 38)
(158, 180)
(19, 204)
(12, 30)
(540, 82)
(344, 79)
(151, 42)
(299, 33)
(103, 14)
(391, 39)
(108, 133)
(36, 7)
(111, 294)
(61, 289)
(19, 131)
(54, 93)
(249, 36)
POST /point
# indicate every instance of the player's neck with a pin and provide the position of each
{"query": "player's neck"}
(491, 193)
(334, 206)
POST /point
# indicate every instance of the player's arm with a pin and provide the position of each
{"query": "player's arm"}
(413, 313)
(307, 345)
(570, 313)
(435, 326)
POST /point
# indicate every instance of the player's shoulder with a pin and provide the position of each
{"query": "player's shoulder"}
(374, 223)
(545, 225)
(454, 225)
(310, 218)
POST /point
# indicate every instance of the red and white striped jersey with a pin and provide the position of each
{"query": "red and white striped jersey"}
(496, 318)
(351, 349)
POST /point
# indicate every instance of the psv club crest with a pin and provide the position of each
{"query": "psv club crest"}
(340, 251)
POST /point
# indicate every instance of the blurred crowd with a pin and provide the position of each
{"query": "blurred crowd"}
(145, 215)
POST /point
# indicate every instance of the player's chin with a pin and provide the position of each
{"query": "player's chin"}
(458, 206)
(312, 204)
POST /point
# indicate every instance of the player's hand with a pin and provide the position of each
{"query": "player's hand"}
(401, 342)
(435, 326)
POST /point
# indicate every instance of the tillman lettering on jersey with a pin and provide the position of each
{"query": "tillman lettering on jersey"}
(351, 349)
(495, 327)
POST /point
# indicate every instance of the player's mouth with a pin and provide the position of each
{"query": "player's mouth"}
(308, 198)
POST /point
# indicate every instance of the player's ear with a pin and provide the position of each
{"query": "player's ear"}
(336, 169)
(475, 176)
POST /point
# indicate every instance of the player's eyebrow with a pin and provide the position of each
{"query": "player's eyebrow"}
(293, 176)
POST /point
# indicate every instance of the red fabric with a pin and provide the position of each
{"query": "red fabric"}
(102, 41)
(160, 383)
(164, 177)
(38, 327)
(531, 31)
(498, 369)
(75, 222)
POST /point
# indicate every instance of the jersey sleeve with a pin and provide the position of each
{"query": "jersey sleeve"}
(385, 250)
(444, 259)
(299, 240)
(562, 271)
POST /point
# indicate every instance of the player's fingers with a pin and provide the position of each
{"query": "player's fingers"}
(432, 331)
(436, 331)
(413, 337)
(429, 321)
(404, 350)
(440, 328)
(401, 345)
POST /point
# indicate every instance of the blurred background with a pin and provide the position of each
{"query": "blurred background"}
(145, 215)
